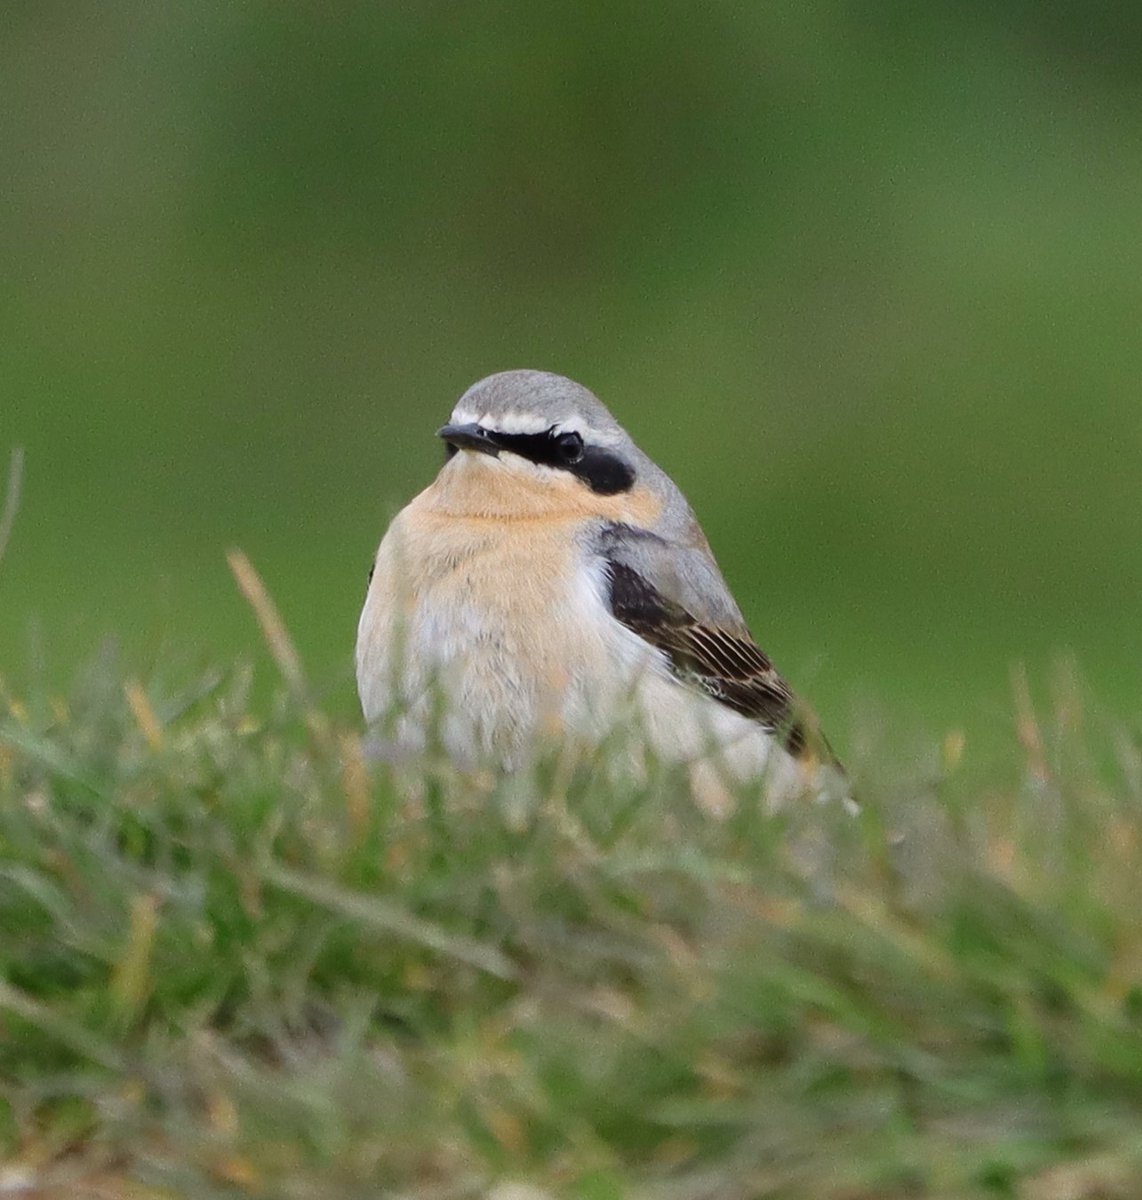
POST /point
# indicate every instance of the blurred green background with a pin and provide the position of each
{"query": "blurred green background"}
(866, 278)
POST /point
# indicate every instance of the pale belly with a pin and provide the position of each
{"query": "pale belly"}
(487, 629)
(496, 643)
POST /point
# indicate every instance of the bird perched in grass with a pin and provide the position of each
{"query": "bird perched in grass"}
(553, 584)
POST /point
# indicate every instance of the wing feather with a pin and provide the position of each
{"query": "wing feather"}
(724, 662)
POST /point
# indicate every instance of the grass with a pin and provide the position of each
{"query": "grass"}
(239, 961)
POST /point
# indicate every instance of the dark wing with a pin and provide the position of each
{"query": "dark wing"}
(727, 665)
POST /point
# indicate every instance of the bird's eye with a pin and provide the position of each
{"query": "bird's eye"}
(569, 447)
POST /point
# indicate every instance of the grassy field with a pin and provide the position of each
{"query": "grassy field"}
(236, 960)
(865, 280)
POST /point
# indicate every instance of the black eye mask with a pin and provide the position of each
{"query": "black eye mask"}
(601, 469)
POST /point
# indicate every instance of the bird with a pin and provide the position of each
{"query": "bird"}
(553, 585)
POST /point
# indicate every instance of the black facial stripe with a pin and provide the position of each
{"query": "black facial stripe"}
(602, 470)
(536, 447)
(605, 472)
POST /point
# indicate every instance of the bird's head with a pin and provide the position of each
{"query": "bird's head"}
(521, 442)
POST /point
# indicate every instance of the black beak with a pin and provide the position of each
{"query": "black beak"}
(470, 437)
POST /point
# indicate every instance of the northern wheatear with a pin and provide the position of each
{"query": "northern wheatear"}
(552, 582)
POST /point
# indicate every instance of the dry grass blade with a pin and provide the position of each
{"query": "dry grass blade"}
(280, 644)
(145, 716)
(269, 619)
(1027, 725)
(11, 497)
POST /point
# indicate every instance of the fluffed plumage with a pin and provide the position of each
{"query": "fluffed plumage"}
(553, 583)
